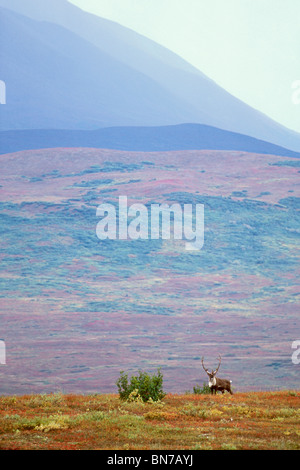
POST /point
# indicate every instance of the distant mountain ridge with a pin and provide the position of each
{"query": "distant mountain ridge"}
(54, 79)
(145, 139)
(67, 69)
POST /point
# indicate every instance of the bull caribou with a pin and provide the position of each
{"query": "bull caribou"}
(215, 384)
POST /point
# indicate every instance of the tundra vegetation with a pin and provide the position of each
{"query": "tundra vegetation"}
(255, 420)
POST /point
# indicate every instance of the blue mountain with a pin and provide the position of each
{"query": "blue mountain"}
(67, 69)
(55, 79)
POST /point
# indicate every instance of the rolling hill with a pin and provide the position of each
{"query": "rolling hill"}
(146, 139)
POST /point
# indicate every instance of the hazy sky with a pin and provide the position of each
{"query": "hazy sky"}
(249, 47)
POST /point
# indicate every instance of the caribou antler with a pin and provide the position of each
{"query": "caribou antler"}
(220, 360)
(206, 370)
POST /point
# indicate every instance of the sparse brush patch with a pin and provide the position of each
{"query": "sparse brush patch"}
(40, 423)
(53, 423)
(89, 416)
(159, 416)
(194, 411)
(228, 447)
(46, 401)
(7, 402)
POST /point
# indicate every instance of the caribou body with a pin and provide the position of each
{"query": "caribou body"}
(215, 384)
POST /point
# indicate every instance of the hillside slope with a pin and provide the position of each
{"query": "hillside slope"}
(80, 309)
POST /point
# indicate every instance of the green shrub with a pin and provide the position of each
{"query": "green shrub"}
(143, 386)
(205, 390)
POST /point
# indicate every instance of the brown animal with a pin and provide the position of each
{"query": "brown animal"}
(215, 383)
